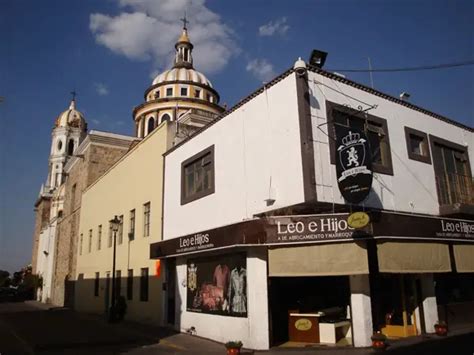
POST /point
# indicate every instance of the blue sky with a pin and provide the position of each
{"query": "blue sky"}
(109, 50)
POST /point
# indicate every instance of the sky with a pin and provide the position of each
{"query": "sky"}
(109, 51)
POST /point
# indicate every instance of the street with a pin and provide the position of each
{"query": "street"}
(33, 328)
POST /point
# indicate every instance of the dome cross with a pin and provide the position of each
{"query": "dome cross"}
(185, 21)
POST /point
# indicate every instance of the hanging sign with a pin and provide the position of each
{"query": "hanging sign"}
(358, 220)
(353, 164)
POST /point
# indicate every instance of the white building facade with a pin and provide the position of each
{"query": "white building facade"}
(256, 231)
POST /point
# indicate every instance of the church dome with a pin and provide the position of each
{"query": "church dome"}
(182, 74)
(71, 118)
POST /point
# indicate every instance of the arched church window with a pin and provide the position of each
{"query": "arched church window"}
(70, 147)
(151, 124)
(165, 117)
(60, 145)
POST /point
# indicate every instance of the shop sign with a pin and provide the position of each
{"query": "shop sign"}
(353, 164)
(249, 232)
(217, 285)
(297, 229)
(387, 224)
(303, 324)
(358, 220)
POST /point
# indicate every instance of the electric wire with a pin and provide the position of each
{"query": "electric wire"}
(405, 69)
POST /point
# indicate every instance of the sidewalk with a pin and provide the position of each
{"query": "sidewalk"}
(35, 328)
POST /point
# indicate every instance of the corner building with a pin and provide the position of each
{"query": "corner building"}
(267, 254)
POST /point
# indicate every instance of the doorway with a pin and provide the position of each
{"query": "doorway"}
(310, 310)
(399, 300)
(171, 291)
(107, 292)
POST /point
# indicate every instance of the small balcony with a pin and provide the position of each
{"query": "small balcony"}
(455, 194)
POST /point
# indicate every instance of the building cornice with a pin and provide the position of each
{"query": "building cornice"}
(183, 82)
(173, 100)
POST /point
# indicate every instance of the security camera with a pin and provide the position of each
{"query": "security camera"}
(300, 67)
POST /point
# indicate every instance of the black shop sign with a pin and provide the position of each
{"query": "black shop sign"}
(353, 163)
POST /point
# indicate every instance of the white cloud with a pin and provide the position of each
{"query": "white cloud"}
(262, 69)
(274, 27)
(101, 89)
(148, 30)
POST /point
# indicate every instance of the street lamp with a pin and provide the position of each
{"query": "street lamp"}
(114, 225)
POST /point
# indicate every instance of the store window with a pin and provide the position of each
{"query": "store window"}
(375, 128)
(197, 176)
(217, 285)
(417, 145)
(144, 284)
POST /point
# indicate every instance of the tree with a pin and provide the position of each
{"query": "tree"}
(4, 278)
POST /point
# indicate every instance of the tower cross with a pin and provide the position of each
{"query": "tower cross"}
(185, 21)
(73, 93)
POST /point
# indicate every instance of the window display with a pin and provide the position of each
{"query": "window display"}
(218, 285)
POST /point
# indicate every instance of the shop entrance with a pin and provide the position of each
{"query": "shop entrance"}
(398, 301)
(171, 291)
(310, 310)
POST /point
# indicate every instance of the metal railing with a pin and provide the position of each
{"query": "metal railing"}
(454, 188)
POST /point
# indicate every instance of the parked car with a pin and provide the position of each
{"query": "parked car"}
(9, 294)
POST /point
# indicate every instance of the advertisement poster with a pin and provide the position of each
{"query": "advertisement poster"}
(217, 285)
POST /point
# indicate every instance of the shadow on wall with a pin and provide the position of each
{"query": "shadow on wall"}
(139, 298)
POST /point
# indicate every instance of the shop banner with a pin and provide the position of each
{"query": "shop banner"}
(353, 163)
(217, 285)
(317, 228)
(386, 224)
(301, 229)
(249, 232)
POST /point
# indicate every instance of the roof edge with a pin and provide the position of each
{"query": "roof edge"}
(388, 97)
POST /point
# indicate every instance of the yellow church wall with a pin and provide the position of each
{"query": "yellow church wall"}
(134, 180)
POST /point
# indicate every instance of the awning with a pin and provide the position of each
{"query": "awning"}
(319, 260)
(464, 257)
(413, 257)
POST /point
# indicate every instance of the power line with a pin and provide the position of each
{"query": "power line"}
(427, 67)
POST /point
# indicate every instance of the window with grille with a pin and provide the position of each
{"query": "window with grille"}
(375, 128)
